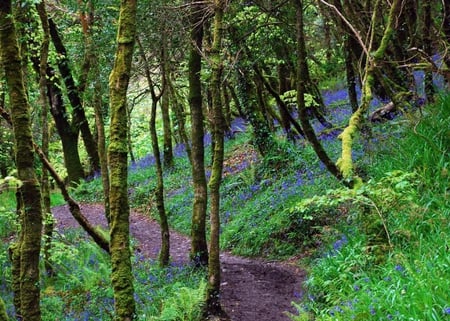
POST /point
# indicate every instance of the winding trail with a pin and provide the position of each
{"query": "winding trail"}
(252, 289)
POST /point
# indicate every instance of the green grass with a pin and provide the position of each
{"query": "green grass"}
(366, 276)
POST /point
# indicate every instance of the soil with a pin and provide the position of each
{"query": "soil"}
(252, 289)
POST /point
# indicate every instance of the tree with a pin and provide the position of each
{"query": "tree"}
(218, 126)
(345, 162)
(302, 70)
(121, 275)
(45, 184)
(30, 212)
(199, 247)
(164, 254)
(79, 119)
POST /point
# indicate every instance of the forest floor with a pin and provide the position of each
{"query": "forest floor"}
(252, 289)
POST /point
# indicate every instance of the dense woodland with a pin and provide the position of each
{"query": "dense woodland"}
(315, 131)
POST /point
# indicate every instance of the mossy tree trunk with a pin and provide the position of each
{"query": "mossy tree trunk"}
(263, 139)
(121, 275)
(302, 69)
(45, 184)
(79, 120)
(199, 247)
(345, 162)
(218, 127)
(29, 192)
(68, 134)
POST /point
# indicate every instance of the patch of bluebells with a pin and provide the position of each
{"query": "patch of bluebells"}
(238, 125)
(143, 163)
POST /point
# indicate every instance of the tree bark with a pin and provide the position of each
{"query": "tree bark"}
(164, 254)
(121, 274)
(78, 116)
(301, 89)
(345, 162)
(218, 122)
(165, 111)
(199, 247)
(30, 194)
(45, 184)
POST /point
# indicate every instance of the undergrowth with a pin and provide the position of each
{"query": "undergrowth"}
(389, 258)
(81, 288)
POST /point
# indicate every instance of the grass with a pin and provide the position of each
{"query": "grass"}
(362, 277)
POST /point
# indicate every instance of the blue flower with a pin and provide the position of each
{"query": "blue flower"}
(446, 310)
(399, 268)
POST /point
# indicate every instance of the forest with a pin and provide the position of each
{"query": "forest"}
(194, 160)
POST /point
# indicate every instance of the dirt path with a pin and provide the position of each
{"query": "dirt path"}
(252, 289)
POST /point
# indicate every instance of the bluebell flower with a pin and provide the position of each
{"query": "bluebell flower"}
(446, 310)
(340, 243)
(399, 268)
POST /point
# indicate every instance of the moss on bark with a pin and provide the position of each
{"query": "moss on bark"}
(199, 247)
(29, 193)
(345, 162)
(218, 123)
(121, 274)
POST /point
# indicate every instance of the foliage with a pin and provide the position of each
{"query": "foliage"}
(185, 305)
(409, 279)
(81, 288)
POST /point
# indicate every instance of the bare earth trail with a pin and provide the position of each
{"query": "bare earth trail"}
(252, 289)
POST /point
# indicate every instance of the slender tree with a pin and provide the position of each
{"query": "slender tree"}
(45, 184)
(29, 193)
(218, 127)
(164, 254)
(121, 275)
(199, 247)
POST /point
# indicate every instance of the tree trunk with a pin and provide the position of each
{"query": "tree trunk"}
(345, 162)
(263, 139)
(427, 44)
(164, 254)
(79, 119)
(350, 72)
(165, 112)
(284, 111)
(301, 89)
(29, 192)
(121, 274)
(68, 135)
(101, 140)
(180, 117)
(45, 185)
(199, 247)
(218, 122)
